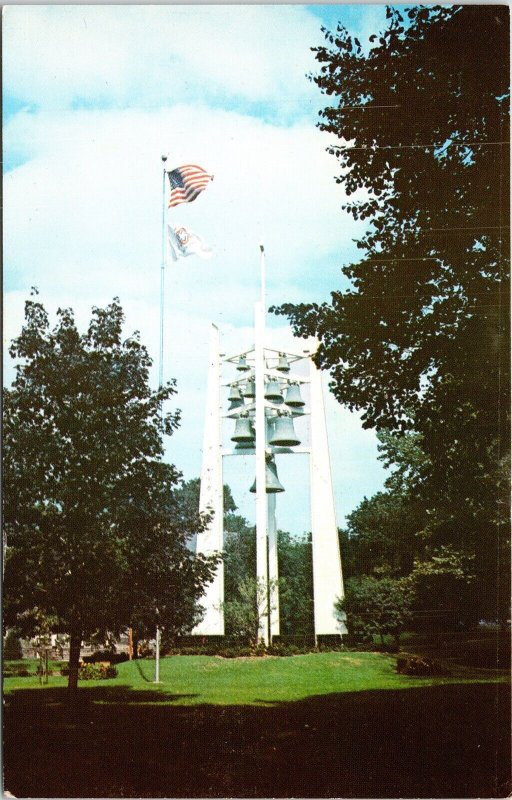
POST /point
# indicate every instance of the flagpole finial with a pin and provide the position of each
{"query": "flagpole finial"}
(164, 158)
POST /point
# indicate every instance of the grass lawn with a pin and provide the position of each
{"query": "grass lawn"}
(193, 680)
(316, 725)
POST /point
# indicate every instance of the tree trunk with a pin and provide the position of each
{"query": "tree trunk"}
(75, 640)
(135, 643)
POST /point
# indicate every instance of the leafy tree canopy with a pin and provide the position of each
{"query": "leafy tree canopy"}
(418, 343)
(419, 340)
(95, 536)
(376, 607)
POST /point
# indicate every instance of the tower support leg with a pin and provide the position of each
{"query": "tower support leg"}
(211, 540)
(327, 574)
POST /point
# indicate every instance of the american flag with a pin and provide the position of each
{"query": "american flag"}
(186, 183)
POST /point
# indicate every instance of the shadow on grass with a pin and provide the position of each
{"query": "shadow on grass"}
(438, 741)
(88, 695)
(141, 671)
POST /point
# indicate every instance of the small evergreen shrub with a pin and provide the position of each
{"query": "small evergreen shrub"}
(12, 647)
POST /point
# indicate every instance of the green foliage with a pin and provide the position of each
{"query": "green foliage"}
(12, 647)
(395, 534)
(239, 555)
(283, 649)
(376, 607)
(295, 578)
(188, 495)
(238, 652)
(93, 672)
(418, 665)
(295, 572)
(96, 538)
(295, 585)
(191, 680)
(383, 534)
(444, 582)
(18, 669)
(242, 613)
(418, 342)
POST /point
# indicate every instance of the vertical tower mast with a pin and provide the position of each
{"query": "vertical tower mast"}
(261, 495)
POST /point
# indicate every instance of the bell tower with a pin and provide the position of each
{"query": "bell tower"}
(265, 397)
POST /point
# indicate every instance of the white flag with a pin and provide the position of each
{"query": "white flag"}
(183, 242)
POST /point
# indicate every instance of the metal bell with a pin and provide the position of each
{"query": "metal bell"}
(270, 427)
(273, 392)
(293, 397)
(241, 446)
(284, 434)
(249, 390)
(236, 403)
(244, 432)
(272, 484)
(234, 394)
(242, 365)
(282, 364)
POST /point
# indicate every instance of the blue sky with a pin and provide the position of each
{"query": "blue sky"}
(93, 96)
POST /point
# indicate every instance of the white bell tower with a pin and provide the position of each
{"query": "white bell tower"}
(265, 398)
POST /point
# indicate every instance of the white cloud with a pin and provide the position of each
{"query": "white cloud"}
(82, 212)
(88, 202)
(156, 55)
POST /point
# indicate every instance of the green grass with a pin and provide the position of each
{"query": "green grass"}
(196, 680)
(318, 725)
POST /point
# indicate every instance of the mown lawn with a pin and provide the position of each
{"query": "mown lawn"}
(193, 680)
(317, 725)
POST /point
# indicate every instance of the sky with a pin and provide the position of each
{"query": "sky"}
(93, 96)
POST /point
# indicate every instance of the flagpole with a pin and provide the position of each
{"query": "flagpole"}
(161, 376)
(162, 283)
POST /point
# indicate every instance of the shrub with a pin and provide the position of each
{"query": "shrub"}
(92, 672)
(376, 606)
(277, 649)
(328, 647)
(418, 665)
(15, 669)
(236, 652)
(259, 650)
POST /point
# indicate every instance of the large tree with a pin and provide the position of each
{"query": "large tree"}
(418, 341)
(390, 536)
(94, 534)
